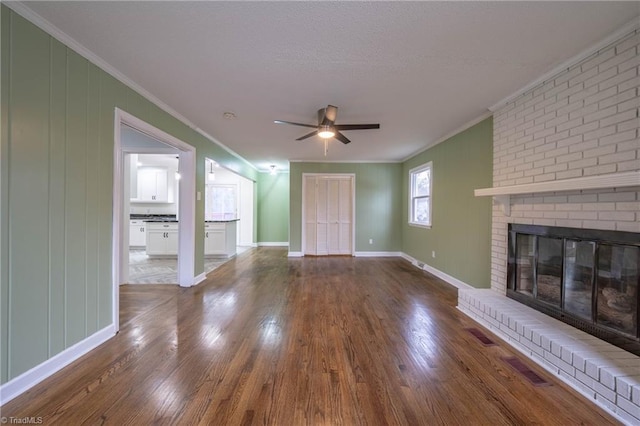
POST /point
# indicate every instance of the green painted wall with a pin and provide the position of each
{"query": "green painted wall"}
(57, 192)
(378, 203)
(461, 227)
(273, 208)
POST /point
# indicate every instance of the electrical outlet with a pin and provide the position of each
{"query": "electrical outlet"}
(433, 254)
(370, 240)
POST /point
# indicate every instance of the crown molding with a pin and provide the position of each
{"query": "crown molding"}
(349, 161)
(604, 43)
(26, 12)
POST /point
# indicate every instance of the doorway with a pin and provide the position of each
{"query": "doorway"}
(186, 204)
(328, 214)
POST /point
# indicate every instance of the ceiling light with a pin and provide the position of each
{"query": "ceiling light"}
(211, 174)
(272, 169)
(229, 115)
(326, 132)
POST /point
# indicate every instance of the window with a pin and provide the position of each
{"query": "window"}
(220, 202)
(420, 195)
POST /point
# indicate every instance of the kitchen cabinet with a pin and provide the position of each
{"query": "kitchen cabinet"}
(220, 239)
(152, 185)
(162, 239)
(137, 233)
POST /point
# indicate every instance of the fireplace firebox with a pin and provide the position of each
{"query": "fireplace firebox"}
(587, 278)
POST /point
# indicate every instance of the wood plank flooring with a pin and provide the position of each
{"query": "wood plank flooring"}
(303, 341)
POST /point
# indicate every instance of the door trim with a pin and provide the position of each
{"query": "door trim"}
(186, 206)
(303, 231)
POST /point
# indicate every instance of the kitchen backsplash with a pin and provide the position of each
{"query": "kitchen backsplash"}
(147, 208)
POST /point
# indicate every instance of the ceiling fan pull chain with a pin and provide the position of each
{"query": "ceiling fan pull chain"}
(326, 147)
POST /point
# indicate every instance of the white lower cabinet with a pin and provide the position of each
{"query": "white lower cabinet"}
(162, 239)
(220, 239)
(137, 233)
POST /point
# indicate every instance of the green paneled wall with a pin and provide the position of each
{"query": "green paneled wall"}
(57, 192)
(378, 203)
(461, 227)
(273, 208)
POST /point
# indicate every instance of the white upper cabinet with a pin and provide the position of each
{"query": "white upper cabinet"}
(152, 185)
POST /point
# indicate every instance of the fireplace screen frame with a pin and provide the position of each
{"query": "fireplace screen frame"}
(627, 341)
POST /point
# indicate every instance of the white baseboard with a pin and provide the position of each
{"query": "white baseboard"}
(30, 378)
(273, 244)
(378, 254)
(198, 279)
(295, 254)
(438, 273)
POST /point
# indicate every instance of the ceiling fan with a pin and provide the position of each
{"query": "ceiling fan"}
(326, 127)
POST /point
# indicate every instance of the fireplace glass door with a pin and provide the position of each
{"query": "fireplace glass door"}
(525, 259)
(549, 270)
(578, 278)
(618, 287)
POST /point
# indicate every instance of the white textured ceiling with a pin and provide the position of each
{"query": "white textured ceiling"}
(420, 69)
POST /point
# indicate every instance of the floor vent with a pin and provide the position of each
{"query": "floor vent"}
(522, 368)
(481, 337)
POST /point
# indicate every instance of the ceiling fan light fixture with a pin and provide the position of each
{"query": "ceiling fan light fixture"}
(326, 132)
(272, 170)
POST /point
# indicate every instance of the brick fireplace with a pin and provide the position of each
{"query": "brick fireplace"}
(579, 125)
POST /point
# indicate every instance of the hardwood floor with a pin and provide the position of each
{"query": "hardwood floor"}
(301, 341)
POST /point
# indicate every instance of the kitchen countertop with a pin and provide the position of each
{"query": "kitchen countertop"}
(170, 218)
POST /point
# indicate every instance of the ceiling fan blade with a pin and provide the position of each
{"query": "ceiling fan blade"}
(330, 113)
(308, 135)
(356, 126)
(342, 138)
(295, 124)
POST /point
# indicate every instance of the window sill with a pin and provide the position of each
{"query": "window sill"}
(419, 225)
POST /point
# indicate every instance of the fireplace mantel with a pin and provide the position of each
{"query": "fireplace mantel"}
(502, 194)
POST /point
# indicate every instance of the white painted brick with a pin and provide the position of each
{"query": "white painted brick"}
(600, 114)
(629, 42)
(580, 96)
(569, 174)
(626, 76)
(628, 206)
(617, 59)
(617, 98)
(629, 84)
(599, 224)
(600, 132)
(570, 141)
(619, 117)
(617, 216)
(584, 198)
(600, 170)
(618, 137)
(591, 102)
(600, 151)
(628, 125)
(586, 109)
(630, 63)
(633, 103)
(628, 418)
(597, 59)
(594, 206)
(581, 164)
(568, 109)
(604, 391)
(629, 407)
(617, 157)
(583, 146)
(552, 92)
(600, 77)
(585, 128)
(635, 394)
(625, 384)
(629, 165)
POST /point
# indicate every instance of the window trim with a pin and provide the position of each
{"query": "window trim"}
(412, 172)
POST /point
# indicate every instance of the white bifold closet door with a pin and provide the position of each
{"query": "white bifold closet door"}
(328, 208)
